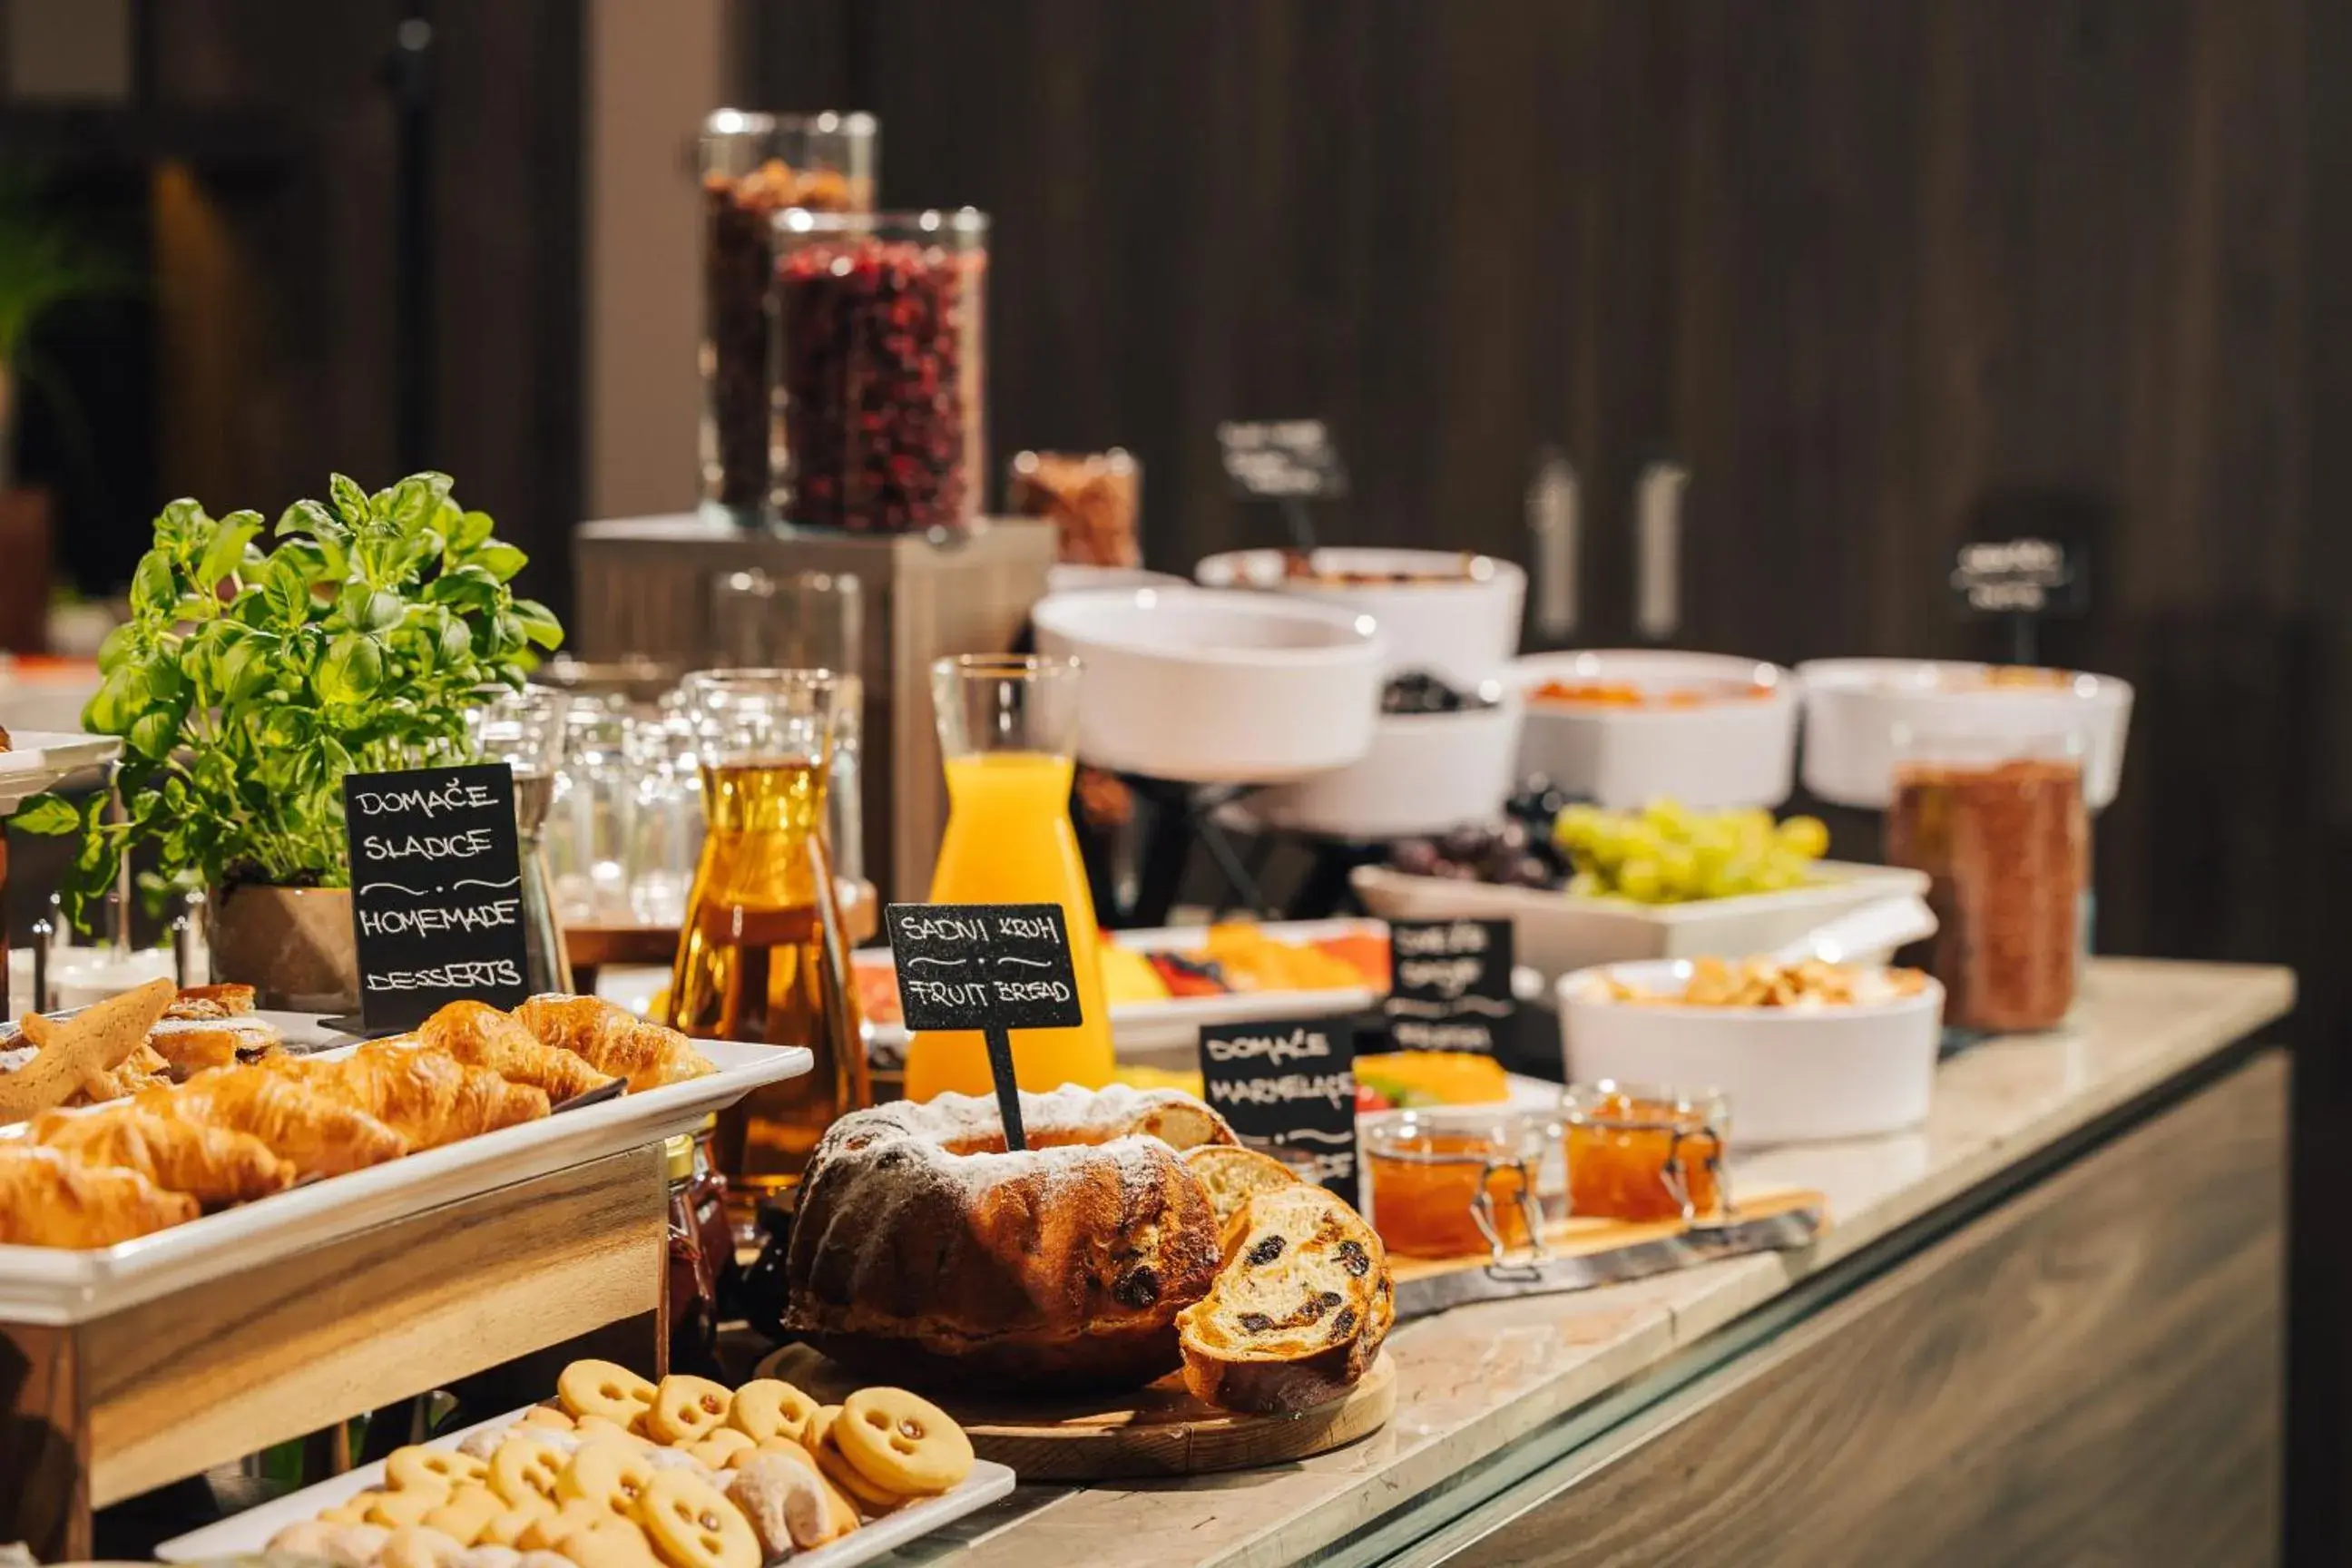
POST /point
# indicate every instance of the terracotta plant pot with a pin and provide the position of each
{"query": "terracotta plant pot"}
(294, 946)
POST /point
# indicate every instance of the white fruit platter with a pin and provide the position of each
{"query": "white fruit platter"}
(248, 1533)
(38, 760)
(58, 1286)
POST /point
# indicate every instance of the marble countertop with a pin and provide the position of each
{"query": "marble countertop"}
(1476, 1379)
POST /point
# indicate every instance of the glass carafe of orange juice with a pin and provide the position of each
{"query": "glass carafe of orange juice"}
(761, 955)
(1008, 729)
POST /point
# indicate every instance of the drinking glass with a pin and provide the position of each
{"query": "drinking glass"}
(589, 814)
(1008, 729)
(665, 824)
(524, 730)
(806, 620)
(762, 955)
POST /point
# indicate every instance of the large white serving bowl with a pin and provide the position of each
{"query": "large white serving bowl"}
(1425, 773)
(1791, 1075)
(1459, 620)
(1855, 708)
(1738, 750)
(1553, 933)
(1212, 687)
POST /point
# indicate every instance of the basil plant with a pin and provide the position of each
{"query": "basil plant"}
(248, 682)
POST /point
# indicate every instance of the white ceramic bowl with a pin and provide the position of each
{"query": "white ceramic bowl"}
(1461, 622)
(1554, 933)
(1216, 688)
(1739, 751)
(1072, 576)
(1855, 708)
(1425, 773)
(1791, 1075)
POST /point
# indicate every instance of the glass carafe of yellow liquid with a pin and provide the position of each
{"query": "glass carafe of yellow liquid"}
(761, 955)
(1008, 729)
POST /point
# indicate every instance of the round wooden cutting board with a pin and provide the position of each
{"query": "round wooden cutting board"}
(1161, 1430)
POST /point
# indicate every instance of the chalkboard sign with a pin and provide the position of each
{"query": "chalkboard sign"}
(436, 891)
(1281, 459)
(1449, 984)
(2024, 576)
(1289, 1087)
(991, 967)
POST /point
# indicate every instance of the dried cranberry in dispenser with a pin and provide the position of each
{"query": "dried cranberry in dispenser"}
(880, 372)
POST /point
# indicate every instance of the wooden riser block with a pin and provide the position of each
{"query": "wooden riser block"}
(173, 1388)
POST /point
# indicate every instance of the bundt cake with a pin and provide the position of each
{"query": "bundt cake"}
(923, 1250)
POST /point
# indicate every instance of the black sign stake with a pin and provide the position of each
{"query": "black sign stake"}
(991, 967)
(1449, 984)
(1287, 461)
(436, 891)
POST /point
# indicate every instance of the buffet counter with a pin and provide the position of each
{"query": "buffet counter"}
(2049, 1327)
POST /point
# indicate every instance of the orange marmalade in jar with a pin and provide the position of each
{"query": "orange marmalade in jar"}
(1638, 1154)
(1452, 1182)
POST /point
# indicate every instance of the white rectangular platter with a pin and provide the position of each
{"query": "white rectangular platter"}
(1146, 1026)
(53, 1286)
(250, 1531)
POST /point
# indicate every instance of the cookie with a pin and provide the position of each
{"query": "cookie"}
(901, 1442)
(523, 1468)
(595, 1426)
(687, 1409)
(786, 1502)
(544, 1533)
(438, 1469)
(466, 1514)
(506, 1528)
(692, 1525)
(351, 1510)
(872, 1500)
(489, 1557)
(405, 1508)
(720, 1446)
(417, 1547)
(601, 1388)
(356, 1545)
(549, 1416)
(812, 1430)
(608, 1473)
(768, 1408)
(610, 1542)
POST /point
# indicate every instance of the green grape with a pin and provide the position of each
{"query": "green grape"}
(1807, 837)
(1638, 878)
(1668, 815)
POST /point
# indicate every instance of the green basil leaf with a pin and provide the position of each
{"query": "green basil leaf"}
(454, 640)
(286, 586)
(500, 560)
(154, 588)
(351, 501)
(47, 815)
(415, 501)
(179, 522)
(122, 643)
(156, 733)
(538, 623)
(470, 530)
(225, 555)
(309, 517)
(117, 703)
(352, 670)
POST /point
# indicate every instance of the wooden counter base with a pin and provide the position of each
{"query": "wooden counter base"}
(2091, 1373)
(112, 1408)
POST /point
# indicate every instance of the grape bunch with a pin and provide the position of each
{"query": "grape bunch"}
(1518, 854)
(1667, 854)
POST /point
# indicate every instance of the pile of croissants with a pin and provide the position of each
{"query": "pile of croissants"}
(265, 1118)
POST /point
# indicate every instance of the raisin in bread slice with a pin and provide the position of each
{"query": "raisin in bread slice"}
(1232, 1176)
(1299, 1310)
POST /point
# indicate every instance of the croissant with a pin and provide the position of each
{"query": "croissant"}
(228, 1000)
(481, 1035)
(46, 1200)
(428, 1098)
(613, 1040)
(142, 1070)
(212, 1165)
(321, 1136)
(194, 1044)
